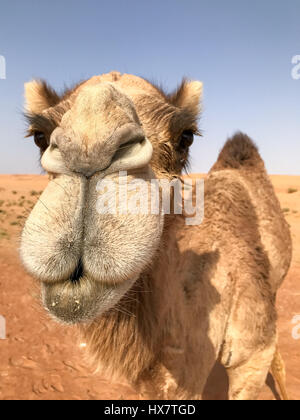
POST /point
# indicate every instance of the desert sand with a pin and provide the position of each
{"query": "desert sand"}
(41, 360)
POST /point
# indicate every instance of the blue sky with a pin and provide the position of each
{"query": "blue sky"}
(241, 50)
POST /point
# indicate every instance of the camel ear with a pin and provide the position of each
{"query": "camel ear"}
(188, 95)
(39, 96)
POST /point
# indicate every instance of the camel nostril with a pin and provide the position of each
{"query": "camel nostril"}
(78, 273)
(132, 142)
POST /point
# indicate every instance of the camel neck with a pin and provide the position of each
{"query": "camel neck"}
(126, 342)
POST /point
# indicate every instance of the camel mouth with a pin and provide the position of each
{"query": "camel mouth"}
(86, 260)
(78, 273)
(81, 299)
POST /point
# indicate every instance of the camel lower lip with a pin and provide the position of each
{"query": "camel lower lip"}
(81, 301)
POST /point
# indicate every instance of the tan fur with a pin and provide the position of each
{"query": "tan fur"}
(39, 96)
(161, 301)
(279, 374)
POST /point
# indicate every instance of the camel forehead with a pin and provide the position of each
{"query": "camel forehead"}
(106, 95)
(130, 84)
(100, 99)
(90, 119)
(94, 101)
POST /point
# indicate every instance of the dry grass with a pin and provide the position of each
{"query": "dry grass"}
(3, 234)
(35, 193)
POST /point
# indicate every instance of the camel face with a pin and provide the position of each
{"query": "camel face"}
(108, 132)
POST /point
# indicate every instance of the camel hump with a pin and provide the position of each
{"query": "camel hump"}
(239, 151)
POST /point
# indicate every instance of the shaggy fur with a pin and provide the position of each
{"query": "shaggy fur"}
(242, 161)
(162, 301)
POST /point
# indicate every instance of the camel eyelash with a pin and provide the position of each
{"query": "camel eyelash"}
(39, 123)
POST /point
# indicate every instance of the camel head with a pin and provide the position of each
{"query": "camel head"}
(91, 138)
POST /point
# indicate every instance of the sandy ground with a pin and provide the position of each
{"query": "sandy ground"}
(42, 360)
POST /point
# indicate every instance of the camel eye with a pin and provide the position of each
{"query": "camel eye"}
(40, 140)
(186, 140)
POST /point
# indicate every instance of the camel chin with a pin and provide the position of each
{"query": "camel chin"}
(81, 301)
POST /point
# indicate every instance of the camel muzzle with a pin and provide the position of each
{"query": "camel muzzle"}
(86, 260)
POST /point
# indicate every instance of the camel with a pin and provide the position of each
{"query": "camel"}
(158, 302)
